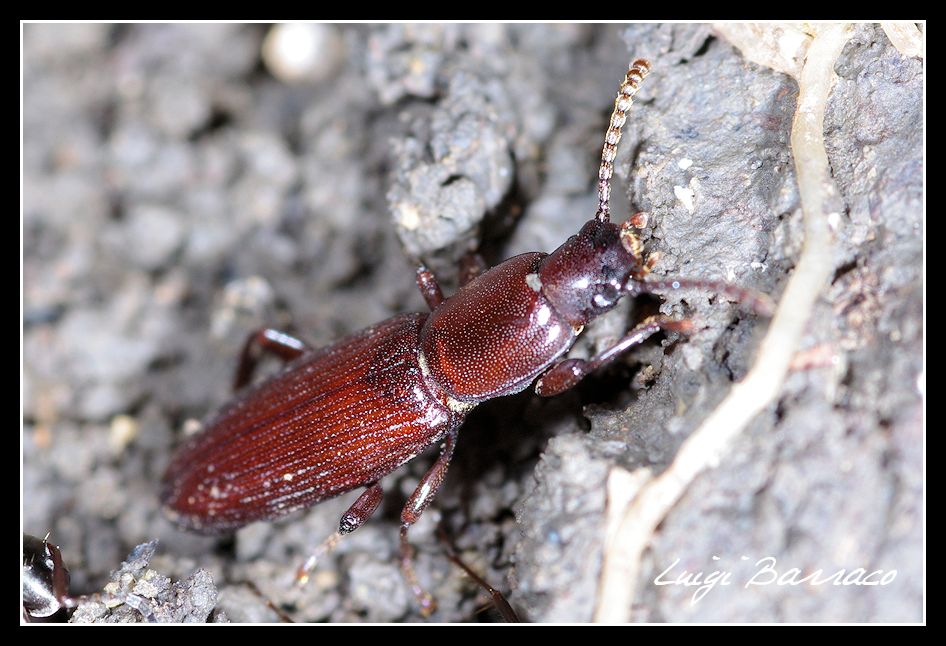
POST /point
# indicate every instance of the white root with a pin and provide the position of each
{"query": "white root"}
(779, 46)
(638, 518)
(906, 37)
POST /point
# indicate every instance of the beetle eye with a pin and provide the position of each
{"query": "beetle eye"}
(605, 296)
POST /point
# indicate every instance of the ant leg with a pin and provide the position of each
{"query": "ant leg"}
(471, 266)
(283, 345)
(569, 372)
(424, 493)
(429, 287)
(360, 511)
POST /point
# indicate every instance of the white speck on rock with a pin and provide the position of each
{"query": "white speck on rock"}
(685, 195)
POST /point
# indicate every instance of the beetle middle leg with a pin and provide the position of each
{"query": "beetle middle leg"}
(285, 346)
(423, 495)
(471, 266)
(566, 374)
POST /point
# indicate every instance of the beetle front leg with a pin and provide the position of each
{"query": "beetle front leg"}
(284, 346)
(423, 495)
(360, 511)
(569, 372)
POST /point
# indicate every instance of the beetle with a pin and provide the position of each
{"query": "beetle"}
(344, 416)
(46, 585)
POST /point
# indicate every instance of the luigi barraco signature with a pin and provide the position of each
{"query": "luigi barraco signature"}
(767, 573)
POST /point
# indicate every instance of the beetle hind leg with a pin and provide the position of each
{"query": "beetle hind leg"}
(360, 511)
(498, 600)
(423, 495)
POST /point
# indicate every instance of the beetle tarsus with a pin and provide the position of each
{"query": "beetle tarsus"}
(302, 574)
(425, 600)
(756, 302)
(283, 617)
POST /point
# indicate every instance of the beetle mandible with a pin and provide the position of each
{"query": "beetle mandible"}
(342, 417)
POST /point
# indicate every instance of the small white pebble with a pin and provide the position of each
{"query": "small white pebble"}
(408, 217)
(685, 196)
(300, 52)
(121, 431)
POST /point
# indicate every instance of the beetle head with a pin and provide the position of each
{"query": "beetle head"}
(589, 273)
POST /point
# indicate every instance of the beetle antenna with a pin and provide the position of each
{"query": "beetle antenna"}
(629, 87)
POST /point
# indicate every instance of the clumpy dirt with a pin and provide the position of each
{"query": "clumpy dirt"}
(177, 195)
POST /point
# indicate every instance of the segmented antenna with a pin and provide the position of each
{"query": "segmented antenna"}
(632, 80)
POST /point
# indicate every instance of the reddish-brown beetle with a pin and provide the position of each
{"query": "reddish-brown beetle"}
(342, 417)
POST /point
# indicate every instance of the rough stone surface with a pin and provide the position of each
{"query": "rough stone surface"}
(831, 477)
(177, 196)
(138, 593)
